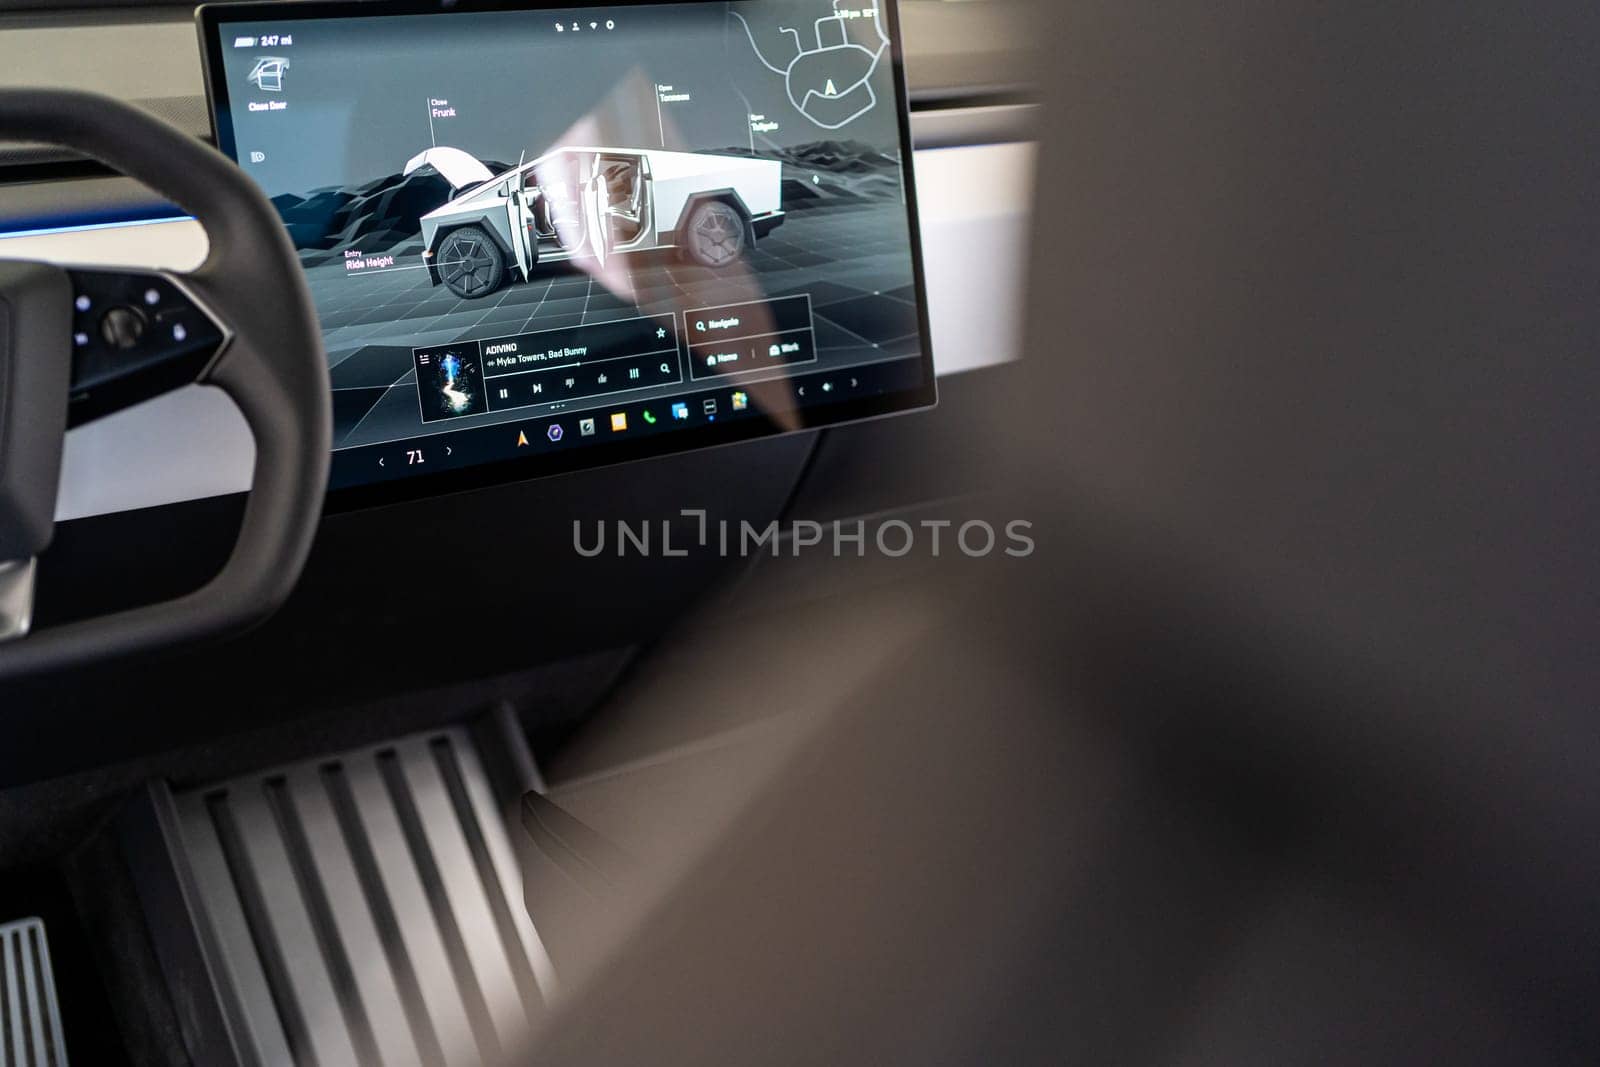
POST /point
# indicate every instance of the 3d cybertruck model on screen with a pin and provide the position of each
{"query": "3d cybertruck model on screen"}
(592, 202)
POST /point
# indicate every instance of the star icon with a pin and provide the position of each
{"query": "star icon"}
(661, 334)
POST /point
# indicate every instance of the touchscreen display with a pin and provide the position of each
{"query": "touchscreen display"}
(541, 237)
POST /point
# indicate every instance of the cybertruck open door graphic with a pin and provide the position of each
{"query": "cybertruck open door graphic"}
(592, 203)
(597, 205)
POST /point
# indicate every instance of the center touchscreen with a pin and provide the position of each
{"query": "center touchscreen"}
(571, 235)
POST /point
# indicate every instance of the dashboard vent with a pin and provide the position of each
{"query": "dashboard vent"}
(30, 1021)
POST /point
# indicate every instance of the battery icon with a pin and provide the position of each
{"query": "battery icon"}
(244, 42)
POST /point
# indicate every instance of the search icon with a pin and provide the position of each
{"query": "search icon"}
(701, 325)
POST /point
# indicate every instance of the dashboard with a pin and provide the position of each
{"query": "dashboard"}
(150, 496)
(541, 238)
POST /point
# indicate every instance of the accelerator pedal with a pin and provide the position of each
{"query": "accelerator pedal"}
(30, 1020)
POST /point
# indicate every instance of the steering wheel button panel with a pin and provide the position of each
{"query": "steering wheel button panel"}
(136, 335)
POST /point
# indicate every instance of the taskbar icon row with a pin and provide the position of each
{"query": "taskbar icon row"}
(776, 403)
(676, 412)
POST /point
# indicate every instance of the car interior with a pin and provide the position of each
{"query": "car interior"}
(1099, 568)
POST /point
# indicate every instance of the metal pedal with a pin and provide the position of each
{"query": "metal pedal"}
(368, 908)
(30, 1020)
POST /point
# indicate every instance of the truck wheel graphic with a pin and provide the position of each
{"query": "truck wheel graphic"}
(470, 263)
(715, 235)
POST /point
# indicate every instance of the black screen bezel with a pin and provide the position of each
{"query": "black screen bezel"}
(210, 20)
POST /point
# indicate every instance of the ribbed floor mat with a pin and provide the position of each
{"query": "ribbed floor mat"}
(368, 908)
(30, 1021)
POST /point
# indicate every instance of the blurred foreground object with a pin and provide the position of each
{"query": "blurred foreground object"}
(1282, 747)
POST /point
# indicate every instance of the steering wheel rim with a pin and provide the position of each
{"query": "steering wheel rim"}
(272, 365)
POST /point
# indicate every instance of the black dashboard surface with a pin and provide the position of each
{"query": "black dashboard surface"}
(372, 615)
(369, 624)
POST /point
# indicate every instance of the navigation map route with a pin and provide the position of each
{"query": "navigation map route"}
(830, 84)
